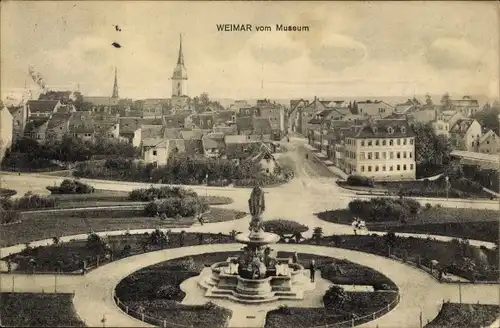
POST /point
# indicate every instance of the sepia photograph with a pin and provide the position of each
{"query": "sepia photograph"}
(250, 164)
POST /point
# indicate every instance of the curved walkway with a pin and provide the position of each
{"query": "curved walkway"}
(94, 292)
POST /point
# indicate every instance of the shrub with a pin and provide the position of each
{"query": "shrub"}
(428, 206)
(8, 216)
(284, 227)
(71, 187)
(358, 180)
(150, 194)
(151, 209)
(335, 297)
(176, 207)
(384, 209)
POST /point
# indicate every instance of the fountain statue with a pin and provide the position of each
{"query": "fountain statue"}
(255, 275)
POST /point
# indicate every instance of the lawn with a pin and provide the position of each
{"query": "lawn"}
(360, 304)
(454, 315)
(36, 226)
(38, 310)
(451, 255)
(455, 222)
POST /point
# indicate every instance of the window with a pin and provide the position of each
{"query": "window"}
(398, 155)
(383, 167)
(369, 155)
(391, 155)
(390, 130)
(361, 156)
(391, 168)
(383, 142)
(411, 167)
(362, 143)
(404, 167)
(391, 142)
(404, 154)
(404, 142)
(488, 142)
(410, 154)
(369, 142)
(362, 168)
(398, 167)
(369, 168)
(403, 130)
(377, 142)
(376, 168)
(384, 155)
(399, 142)
(411, 141)
(376, 155)
(60, 128)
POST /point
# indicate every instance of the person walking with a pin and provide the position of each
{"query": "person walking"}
(312, 270)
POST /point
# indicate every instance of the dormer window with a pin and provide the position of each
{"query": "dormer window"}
(403, 130)
(375, 129)
(390, 130)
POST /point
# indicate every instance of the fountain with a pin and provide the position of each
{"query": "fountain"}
(255, 275)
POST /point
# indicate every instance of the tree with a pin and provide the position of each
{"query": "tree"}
(428, 100)
(430, 149)
(204, 99)
(445, 101)
(488, 117)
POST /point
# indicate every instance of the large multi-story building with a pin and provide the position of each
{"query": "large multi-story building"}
(381, 149)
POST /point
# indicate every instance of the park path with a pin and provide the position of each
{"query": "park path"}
(93, 299)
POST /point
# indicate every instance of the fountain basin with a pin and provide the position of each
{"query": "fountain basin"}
(258, 239)
(218, 283)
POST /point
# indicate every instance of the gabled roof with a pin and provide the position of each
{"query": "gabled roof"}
(487, 135)
(226, 129)
(172, 134)
(174, 121)
(383, 128)
(58, 119)
(314, 107)
(213, 140)
(130, 124)
(261, 125)
(42, 106)
(191, 135)
(35, 123)
(14, 109)
(155, 142)
(462, 125)
(403, 108)
(152, 131)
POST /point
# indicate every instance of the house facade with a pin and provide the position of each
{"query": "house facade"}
(374, 108)
(489, 143)
(381, 149)
(465, 134)
(6, 130)
(466, 106)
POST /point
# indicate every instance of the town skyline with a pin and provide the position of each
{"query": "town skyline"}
(337, 57)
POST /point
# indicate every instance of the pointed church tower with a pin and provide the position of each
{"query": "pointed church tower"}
(115, 86)
(179, 77)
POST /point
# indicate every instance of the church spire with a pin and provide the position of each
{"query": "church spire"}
(115, 86)
(180, 59)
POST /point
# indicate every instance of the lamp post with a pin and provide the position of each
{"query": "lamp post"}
(447, 179)
(206, 185)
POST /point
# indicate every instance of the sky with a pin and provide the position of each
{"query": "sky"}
(351, 48)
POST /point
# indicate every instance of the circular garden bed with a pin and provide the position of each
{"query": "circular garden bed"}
(155, 292)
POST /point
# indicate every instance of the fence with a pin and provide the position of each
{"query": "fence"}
(366, 318)
(143, 317)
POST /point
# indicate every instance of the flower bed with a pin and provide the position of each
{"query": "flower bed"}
(454, 315)
(455, 222)
(38, 310)
(457, 257)
(361, 306)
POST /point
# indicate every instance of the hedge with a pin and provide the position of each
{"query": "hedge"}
(152, 193)
(284, 227)
(358, 180)
(174, 206)
(27, 202)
